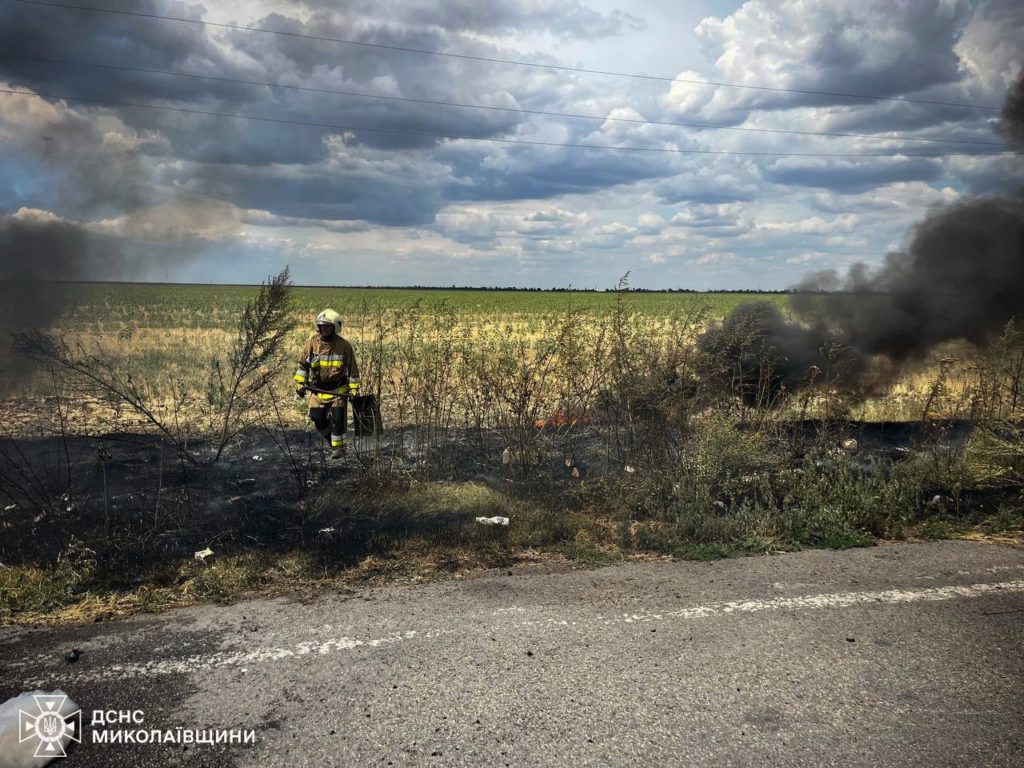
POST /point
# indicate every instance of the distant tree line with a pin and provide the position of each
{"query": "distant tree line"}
(516, 289)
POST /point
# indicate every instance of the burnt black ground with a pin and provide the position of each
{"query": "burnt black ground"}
(137, 499)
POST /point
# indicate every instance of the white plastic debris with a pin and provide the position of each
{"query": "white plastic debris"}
(47, 722)
(202, 554)
(328, 530)
(496, 520)
(9, 507)
(630, 469)
(257, 457)
(519, 457)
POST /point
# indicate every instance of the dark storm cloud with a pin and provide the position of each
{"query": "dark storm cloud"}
(512, 173)
(402, 199)
(244, 158)
(569, 18)
(853, 175)
(59, 33)
(931, 49)
(35, 31)
(846, 57)
(887, 118)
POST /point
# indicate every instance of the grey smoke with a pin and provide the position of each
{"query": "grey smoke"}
(762, 356)
(34, 254)
(961, 277)
(35, 248)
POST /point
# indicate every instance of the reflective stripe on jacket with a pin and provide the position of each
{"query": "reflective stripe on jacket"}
(327, 364)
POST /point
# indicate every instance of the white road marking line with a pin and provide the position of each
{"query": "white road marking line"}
(838, 600)
(243, 660)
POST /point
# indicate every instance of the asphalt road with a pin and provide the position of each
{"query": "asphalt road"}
(908, 655)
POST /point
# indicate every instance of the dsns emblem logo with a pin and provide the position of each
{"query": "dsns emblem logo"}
(51, 728)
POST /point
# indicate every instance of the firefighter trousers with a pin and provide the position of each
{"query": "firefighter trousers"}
(330, 419)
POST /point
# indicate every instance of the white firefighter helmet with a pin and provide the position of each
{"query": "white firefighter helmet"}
(329, 317)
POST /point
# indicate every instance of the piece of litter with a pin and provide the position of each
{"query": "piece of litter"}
(247, 480)
(202, 554)
(257, 458)
(496, 520)
(9, 507)
(630, 469)
(328, 530)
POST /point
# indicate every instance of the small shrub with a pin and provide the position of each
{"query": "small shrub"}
(935, 528)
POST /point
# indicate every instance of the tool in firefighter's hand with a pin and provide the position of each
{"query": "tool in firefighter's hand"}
(332, 392)
(300, 391)
(366, 409)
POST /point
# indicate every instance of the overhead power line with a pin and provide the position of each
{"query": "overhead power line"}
(461, 137)
(495, 60)
(517, 110)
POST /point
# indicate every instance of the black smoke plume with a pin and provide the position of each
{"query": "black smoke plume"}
(1011, 118)
(763, 356)
(37, 254)
(962, 277)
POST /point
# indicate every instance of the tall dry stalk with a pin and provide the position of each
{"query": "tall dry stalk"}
(256, 359)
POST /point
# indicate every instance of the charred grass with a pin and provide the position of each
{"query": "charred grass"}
(602, 435)
(734, 492)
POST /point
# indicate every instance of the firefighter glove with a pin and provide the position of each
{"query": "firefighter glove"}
(300, 390)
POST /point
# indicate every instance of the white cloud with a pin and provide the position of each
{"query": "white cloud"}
(807, 257)
(650, 223)
(814, 225)
(409, 207)
(716, 259)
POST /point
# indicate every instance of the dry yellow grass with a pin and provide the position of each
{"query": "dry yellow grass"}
(175, 365)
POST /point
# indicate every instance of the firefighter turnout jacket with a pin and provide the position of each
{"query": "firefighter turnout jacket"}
(328, 364)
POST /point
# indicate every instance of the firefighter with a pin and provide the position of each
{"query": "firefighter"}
(328, 363)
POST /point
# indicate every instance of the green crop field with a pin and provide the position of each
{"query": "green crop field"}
(603, 424)
(103, 307)
(568, 345)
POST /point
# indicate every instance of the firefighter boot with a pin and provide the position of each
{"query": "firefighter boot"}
(339, 446)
